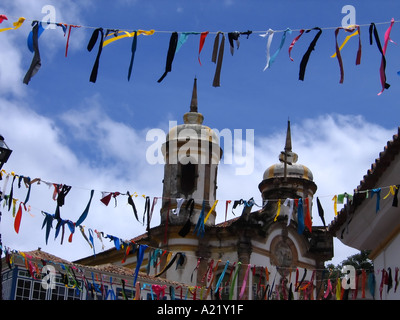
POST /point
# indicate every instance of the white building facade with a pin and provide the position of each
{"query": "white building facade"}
(371, 221)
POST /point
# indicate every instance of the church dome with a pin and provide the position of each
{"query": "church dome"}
(294, 170)
(287, 179)
(192, 128)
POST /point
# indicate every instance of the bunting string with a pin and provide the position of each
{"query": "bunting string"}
(304, 215)
(107, 36)
(20, 20)
(4, 175)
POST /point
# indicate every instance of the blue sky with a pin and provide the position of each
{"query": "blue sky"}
(66, 129)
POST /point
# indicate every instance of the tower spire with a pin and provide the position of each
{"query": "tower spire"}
(288, 144)
(193, 116)
(287, 156)
(193, 102)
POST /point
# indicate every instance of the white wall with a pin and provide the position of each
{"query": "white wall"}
(388, 258)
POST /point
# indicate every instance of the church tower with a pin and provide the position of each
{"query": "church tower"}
(191, 154)
(291, 242)
(287, 179)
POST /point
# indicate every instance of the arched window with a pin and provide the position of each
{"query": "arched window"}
(188, 175)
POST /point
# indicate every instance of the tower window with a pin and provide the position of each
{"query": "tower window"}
(188, 177)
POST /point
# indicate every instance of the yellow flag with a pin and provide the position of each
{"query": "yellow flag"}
(338, 289)
(209, 212)
(124, 34)
(345, 41)
(278, 210)
(391, 191)
(16, 24)
(335, 204)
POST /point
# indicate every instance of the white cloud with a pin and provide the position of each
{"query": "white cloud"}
(13, 43)
(40, 151)
(10, 67)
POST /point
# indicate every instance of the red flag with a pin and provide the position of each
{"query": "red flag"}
(17, 221)
(203, 36)
(307, 219)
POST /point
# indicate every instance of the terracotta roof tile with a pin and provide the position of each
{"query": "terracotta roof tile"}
(42, 255)
(109, 267)
(227, 223)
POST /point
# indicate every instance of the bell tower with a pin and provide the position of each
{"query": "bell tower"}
(191, 154)
(288, 178)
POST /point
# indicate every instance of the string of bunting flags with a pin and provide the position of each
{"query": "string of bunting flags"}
(60, 192)
(106, 36)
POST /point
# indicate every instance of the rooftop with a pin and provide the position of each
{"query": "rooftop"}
(111, 269)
